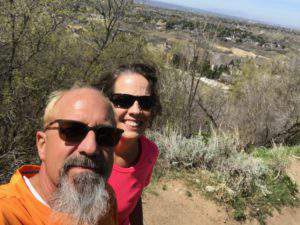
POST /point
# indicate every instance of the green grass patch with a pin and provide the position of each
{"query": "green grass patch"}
(268, 153)
(295, 150)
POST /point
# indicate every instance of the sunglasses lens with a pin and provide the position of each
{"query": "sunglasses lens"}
(125, 101)
(108, 136)
(122, 100)
(72, 131)
(146, 102)
(75, 131)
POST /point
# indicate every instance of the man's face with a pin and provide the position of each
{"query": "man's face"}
(86, 106)
(76, 169)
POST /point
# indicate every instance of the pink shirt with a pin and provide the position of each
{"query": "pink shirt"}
(128, 183)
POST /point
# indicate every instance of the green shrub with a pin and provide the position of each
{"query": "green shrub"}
(253, 184)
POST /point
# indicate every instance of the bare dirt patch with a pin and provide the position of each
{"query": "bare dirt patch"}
(171, 202)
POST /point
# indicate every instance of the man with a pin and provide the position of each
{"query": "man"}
(75, 148)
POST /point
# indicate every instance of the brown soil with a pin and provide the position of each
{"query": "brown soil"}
(173, 203)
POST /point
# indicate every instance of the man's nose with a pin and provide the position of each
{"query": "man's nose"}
(89, 143)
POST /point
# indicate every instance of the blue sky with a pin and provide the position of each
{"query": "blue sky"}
(280, 12)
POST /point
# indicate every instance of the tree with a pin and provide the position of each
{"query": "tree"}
(26, 26)
(103, 26)
(198, 67)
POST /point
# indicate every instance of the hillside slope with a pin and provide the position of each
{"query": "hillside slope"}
(173, 203)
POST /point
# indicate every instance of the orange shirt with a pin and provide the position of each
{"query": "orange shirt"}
(18, 206)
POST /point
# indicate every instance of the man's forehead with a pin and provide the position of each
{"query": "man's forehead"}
(81, 104)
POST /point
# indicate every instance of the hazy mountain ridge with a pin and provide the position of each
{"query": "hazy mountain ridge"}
(213, 12)
(172, 6)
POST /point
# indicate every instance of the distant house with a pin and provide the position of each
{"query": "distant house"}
(167, 46)
(127, 31)
(228, 38)
(161, 25)
(95, 17)
(214, 84)
(75, 28)
(218, 59)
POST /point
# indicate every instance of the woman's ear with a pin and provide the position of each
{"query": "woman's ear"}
(41, 144)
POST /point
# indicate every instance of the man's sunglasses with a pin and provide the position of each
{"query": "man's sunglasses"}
(125, 101)
(74, 132)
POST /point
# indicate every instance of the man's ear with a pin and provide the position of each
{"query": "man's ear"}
(41, 144)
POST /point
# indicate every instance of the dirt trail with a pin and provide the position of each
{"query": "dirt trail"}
(173, 203)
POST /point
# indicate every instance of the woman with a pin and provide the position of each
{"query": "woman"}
(133, 91)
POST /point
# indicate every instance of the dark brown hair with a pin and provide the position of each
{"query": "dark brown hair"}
(108, 79)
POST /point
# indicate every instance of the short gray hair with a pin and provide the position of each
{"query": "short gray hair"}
(55, 96)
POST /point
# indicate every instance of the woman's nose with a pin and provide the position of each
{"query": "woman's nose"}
(135, 108)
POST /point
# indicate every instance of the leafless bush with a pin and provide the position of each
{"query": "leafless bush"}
(264, 104)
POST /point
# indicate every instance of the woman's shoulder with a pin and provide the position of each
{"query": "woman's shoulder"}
(149, 145)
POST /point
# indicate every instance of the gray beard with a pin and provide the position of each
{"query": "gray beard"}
(84, 198)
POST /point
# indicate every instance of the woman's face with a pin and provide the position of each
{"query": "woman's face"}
(133, 120)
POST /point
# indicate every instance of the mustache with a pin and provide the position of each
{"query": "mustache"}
(93, 162)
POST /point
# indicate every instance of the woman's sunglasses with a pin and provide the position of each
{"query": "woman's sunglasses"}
(74, 132)
(125, 101)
